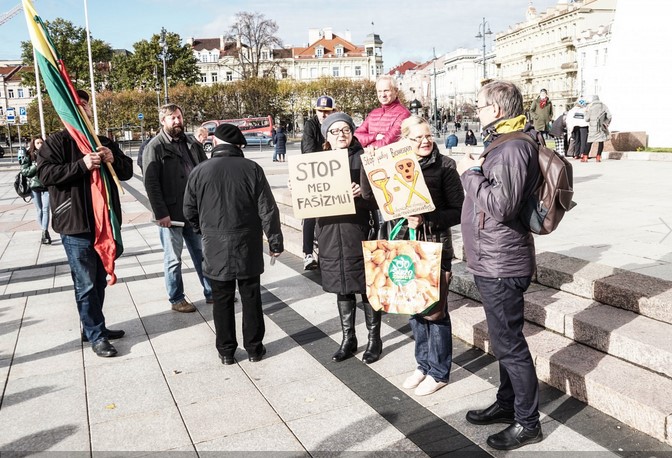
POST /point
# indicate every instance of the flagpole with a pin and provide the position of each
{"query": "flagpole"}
(39, 95)
(93, 87)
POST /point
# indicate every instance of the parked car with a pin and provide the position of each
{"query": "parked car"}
(257, 138)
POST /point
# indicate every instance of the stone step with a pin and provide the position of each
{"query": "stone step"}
(287, 217)
(616, 387)
(620, 333)
(627, 290)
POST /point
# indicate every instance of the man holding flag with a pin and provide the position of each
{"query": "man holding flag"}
(67, 171)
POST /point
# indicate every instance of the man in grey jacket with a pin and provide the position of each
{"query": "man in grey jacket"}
(500, 254)
(168, 160)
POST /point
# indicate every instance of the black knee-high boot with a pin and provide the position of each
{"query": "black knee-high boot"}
(375, 346)
(346, 310)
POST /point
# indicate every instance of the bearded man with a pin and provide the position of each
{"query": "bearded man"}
(169, 158)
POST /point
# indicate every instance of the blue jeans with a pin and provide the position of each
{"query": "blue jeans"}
(41, 201)
(90, 280)
(173, 240)
(503, 302)
(433, 346)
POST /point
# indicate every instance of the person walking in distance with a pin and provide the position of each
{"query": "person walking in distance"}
(168, 160)
(313, 142)
(66, 171)
(280, 141)
(501, 256)
(229, 201)
(541, 112)
(383, 125)
(598, 118)
(39, 191)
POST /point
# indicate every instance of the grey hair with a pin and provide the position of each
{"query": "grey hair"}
(506, 95)
(391, 79)
(409, 122)
(169, 109)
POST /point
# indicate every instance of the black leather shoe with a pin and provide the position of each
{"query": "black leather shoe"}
(491, 415)
(257, 358)
(515, 436)
(227, 360)
(104, 348)
(110, 334)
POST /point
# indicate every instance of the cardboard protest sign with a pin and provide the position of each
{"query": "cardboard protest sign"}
(397, 181)
(321, 184)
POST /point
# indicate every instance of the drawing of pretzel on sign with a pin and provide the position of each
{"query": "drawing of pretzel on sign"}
(397, 181)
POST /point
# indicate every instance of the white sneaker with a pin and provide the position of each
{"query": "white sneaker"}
(414, 380)
(309, 263)
(429, 386)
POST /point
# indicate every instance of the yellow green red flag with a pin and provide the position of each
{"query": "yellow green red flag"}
(67, 104)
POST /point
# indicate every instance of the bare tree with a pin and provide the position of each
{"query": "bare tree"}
(254, 35)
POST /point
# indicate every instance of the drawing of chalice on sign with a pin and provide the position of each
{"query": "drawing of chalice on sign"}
(406, 168)
(379, 179)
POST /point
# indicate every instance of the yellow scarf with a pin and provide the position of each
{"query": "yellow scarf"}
(511, 125)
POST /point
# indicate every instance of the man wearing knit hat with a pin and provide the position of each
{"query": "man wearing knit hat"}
(229, 201)
(312, 141)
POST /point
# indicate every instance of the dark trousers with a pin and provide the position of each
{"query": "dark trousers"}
(223, 313)
(89, 278)
(581, 141)
(519, 388)
(600, 148)
(308, 235)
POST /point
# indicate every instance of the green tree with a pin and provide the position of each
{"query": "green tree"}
(256, 34)
(143, 69)
(70, 42)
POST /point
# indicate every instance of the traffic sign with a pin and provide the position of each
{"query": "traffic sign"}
(11, 116)
(23, 116)
(141, 116)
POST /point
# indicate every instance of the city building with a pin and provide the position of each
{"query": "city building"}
(12, 92)
(326, 54)
(542, 51)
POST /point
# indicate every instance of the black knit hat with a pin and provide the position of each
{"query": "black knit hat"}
(230, 134)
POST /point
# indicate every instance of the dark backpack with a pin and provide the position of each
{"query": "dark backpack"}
(548, 203)
(22, 187)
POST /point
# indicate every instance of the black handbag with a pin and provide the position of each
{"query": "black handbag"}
(22, 187)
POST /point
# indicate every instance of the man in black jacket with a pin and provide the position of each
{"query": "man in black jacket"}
(229, 201)
(168, 160)
(312, 141)
(500, 253)
(66, 171)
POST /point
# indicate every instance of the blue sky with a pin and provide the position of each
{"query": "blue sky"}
(409, 30)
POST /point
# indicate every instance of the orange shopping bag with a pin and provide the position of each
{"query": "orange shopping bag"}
(402, 276)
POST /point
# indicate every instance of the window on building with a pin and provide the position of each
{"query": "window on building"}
(264, 55)
(597, 57)
(334, 71)
(369, 51)
(358, 70)
(283, 73)
(313, 73)
(229, 76)
(204, 78)
(10, 93)
(213, 77)
(319, 52)
(339, 51)
(20, 93)
(204, 57)
(604, 56)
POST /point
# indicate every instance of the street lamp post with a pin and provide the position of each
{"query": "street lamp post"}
(481, 34)
(436, 107)
(164, 55)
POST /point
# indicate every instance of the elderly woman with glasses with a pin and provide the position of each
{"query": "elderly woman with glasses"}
(433, 332)
(339, 241)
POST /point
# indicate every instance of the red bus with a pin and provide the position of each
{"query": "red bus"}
(262, 125)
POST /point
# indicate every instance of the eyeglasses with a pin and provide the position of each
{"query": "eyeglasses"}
(484, 106)
(419, 139)
(345, 130)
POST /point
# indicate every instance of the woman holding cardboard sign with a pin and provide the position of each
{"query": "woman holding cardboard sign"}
(432, 331)
(340, 241)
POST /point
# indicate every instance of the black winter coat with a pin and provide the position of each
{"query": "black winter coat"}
(229, 202)
(60, 167)
(340, 239)
(496, 242)
(165, 176)
(312, 140)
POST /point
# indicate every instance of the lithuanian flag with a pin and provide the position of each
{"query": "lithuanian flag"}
(107, 242)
